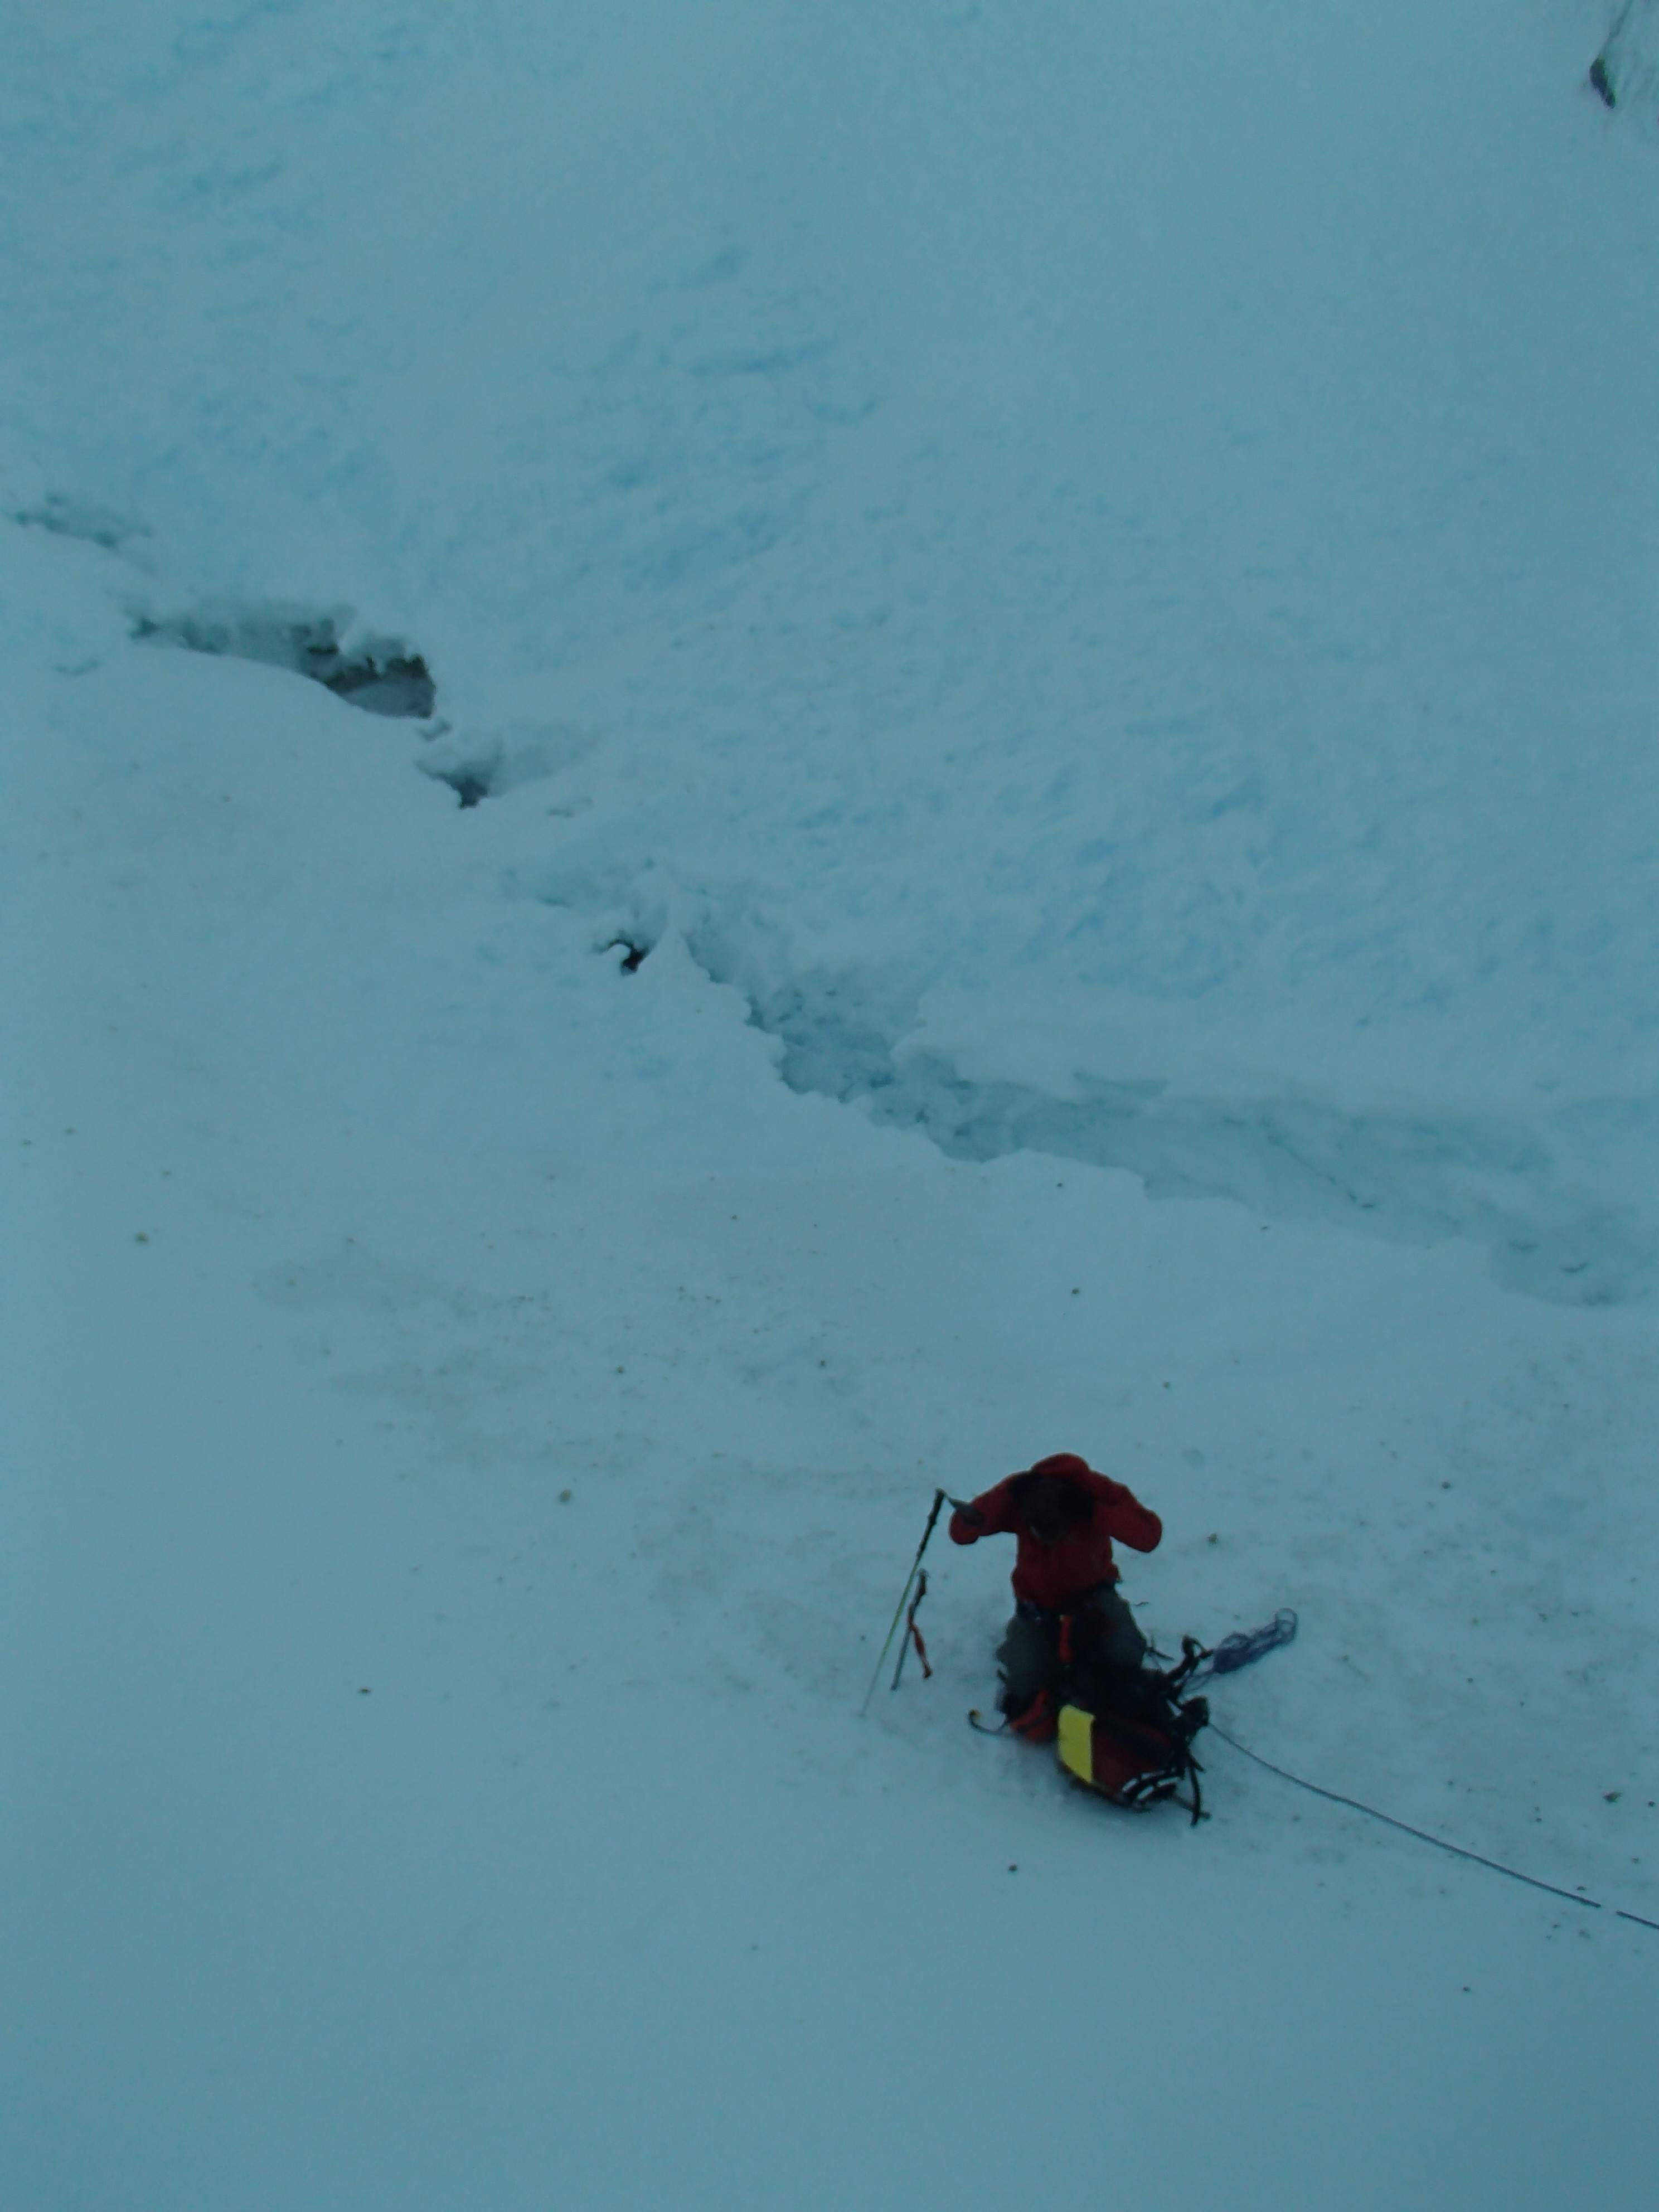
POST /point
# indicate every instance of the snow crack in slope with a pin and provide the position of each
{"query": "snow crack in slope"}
(65, 517)
(381, 674)
(1411, 1178)
(1417, 1176)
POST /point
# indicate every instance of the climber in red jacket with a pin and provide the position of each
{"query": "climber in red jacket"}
(1069, 1618)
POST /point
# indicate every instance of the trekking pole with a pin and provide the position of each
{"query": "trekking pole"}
(904, 1596)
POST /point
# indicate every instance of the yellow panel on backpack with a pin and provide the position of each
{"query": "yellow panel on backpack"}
(1076, 1743)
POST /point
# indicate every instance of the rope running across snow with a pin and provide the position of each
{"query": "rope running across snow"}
(1244, 1649)
(1457, 1850)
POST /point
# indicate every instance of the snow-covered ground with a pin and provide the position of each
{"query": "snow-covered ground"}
(1625, 74)
(1049, 622)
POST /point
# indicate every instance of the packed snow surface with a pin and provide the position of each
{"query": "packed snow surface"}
(1011, 806)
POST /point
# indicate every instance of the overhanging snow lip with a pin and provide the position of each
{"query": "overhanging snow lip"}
(381, 675)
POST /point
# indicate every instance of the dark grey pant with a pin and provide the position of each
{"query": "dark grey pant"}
(1106, 1648)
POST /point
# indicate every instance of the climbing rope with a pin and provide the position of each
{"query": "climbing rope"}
(1235, 1651)
(1248, 1645)
(1457, 1850)
(1244, 1649)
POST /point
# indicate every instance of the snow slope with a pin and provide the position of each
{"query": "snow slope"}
(1625, 72)
(1082, 591)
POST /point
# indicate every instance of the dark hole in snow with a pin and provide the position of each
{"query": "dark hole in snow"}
(470, 784)
(379, 674)
(632, 953)
(399, 684)
(1601, 83)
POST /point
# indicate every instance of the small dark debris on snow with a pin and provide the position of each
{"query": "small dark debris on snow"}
(632, 950)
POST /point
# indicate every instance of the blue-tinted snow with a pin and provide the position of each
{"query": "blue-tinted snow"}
(1082, 587)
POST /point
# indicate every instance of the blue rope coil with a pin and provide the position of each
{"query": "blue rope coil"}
(1248, 1645)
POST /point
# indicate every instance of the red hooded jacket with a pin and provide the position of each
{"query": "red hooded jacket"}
(1051, 1575)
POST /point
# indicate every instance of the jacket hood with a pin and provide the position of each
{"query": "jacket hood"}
(1067, 1466)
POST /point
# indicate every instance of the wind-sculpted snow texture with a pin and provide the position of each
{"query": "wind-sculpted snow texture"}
(1625, 72)
(1012, 809)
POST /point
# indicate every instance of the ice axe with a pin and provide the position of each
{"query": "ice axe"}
(898, 1612)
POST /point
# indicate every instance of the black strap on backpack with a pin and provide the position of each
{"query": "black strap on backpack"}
(1163, 1725)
